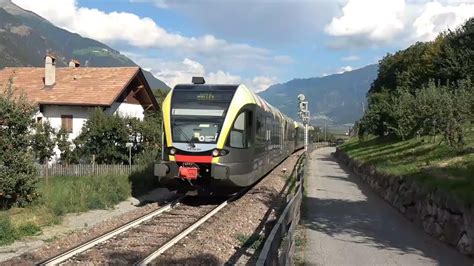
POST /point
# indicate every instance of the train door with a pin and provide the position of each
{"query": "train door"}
(260, 142)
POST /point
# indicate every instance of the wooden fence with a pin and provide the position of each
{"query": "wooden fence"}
(279, 246)
(85, 169)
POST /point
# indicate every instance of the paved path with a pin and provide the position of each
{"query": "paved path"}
(347, 224)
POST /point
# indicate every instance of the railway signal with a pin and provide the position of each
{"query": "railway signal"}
(305, 116)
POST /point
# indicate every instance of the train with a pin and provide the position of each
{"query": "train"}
(218, 139)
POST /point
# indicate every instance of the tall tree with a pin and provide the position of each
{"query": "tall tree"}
(17, 171)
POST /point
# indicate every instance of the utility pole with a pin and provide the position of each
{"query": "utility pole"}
(129, 145)
(304, 115)
(325, 132)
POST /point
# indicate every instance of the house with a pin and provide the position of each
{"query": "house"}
(66, 95)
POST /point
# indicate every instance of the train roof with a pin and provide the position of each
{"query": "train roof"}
(252, 97)
(216, 87)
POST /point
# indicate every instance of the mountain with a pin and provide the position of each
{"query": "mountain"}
(335, 99)
(25, 38)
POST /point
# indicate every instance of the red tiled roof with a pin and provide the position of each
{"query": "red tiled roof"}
(96, 86)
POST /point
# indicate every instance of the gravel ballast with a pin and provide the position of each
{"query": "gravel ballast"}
(234, 233)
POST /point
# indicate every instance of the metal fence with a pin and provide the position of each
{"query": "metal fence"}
(85, 169)
(279, 246)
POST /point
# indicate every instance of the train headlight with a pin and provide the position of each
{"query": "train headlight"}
(218, 152)
(172, 151)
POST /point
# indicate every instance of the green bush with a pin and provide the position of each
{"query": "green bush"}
(425, 89)
(17, 170)
(66, 148)
(43, 142)
(104, 137)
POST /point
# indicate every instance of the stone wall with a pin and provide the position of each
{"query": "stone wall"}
(438, 213)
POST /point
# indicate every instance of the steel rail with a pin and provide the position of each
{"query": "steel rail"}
(108, 235)
(181, 235)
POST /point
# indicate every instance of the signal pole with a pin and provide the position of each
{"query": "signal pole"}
(304, 115)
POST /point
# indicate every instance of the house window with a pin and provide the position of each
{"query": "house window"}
(66, 123)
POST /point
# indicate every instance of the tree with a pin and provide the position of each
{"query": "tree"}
(43, 142)
(17, 171)
(425, 89)
(403, 116)
(146, 137)
(456, 59)
(104, 137)
(68, 154)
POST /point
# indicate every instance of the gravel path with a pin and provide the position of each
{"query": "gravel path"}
(348, 224)
(222, 239)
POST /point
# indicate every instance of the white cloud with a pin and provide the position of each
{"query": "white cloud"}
(258, 20)
(374, 19)
(146, 40)
(262, 83)
(437, 17)
(373, 22)
(344, 69)
(129, 28)
(351, 58)
(173, 73)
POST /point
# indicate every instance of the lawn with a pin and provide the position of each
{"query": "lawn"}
(434, 164)
(62, 195)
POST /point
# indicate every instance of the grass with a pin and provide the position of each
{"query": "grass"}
(254, 241)
(434, 164)
(60, 196)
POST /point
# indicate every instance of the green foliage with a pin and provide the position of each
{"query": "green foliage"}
(160, 94)
(17, 171)
(62, 195)
(254, 241)
(106, 136)
(28, 229)
(7, 231)
(405, 101)
(456, 58)
(76, 194)
(103, 136)
(43, 142)
(67, 153)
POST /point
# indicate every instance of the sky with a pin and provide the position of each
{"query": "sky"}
(255, 42)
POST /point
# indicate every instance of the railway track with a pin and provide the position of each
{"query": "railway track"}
(142, 240)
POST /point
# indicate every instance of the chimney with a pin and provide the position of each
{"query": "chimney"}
(49, 70)
(74, 63)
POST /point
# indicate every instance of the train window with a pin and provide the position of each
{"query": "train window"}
(238, 134)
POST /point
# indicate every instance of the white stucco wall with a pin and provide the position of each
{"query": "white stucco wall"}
(79, 114)
(126, 110)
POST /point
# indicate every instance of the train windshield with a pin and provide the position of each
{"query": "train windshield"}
(197, 115)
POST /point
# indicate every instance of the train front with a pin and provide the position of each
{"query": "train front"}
(194, 116)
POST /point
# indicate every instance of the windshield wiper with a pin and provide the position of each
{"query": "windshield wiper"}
(181, 132)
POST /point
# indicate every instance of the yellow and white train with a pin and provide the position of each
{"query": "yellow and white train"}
(220, 138)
